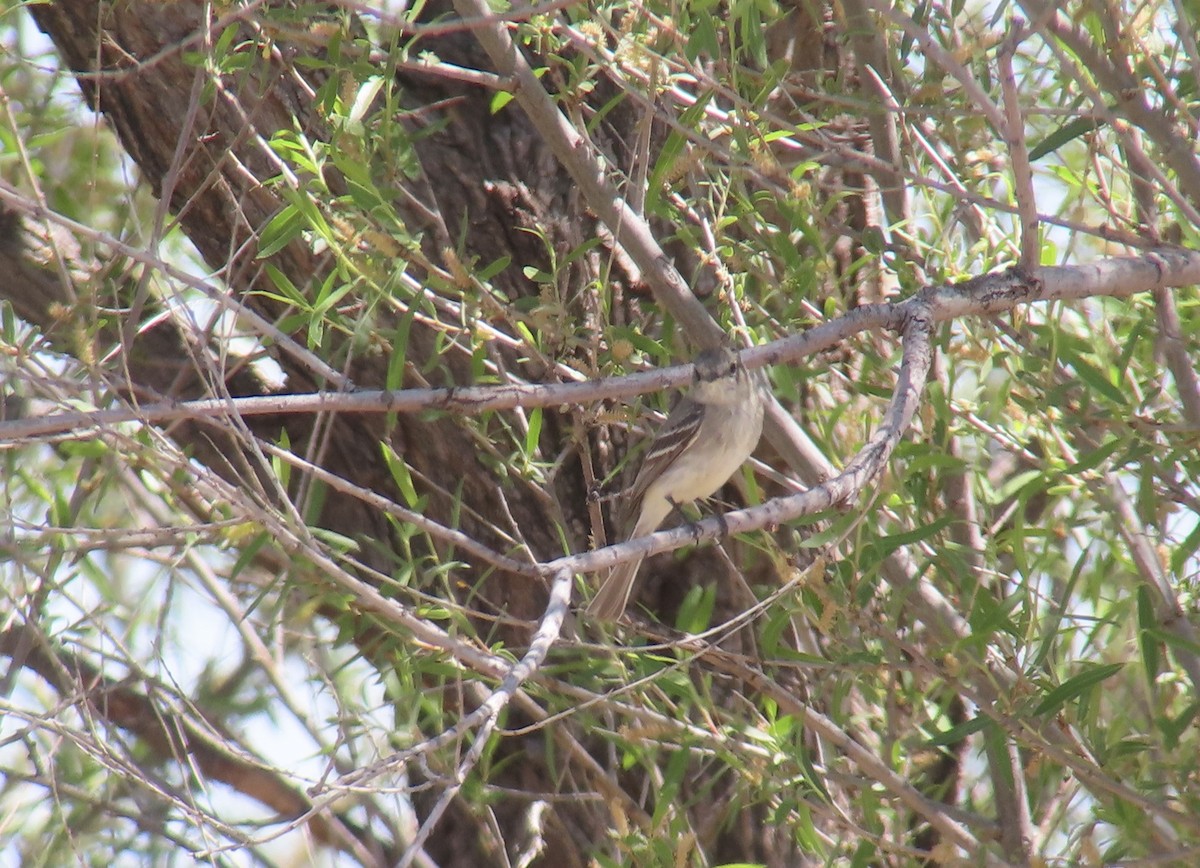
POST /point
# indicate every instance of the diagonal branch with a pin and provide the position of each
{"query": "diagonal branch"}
(488, 713)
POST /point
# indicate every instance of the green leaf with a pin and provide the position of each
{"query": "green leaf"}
(60, 509)
(331, 292)
(703, 39)
(527, 334)
(695, 613)
(672, 149)
(500, 99)
(1077, 686)
(1097, 456)
(891, 542)
(1015, 484)
(366, 196)
(1147, 624)
(282, 468)
(1173, 729)
(964, 730)
(534, 433)
(395, 371)
(312, 216)
(400, 475)
(1183, 552)
(672, 781)
(280, 231)
(833, 528)
(340, 542)
(1068, 132)
(1092, 375)
(1173, 641)
(492, 269)
(249, 550)
(1051, 623)
(289, 293)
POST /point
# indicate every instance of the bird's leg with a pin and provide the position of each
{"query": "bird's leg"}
(723, 523)
(598, 493)
(691, 524)
(677, 509)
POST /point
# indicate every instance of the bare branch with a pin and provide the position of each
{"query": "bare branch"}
(1171, 335)
(424, 523)
(989, 294)
(488, 713)
(1018, 153)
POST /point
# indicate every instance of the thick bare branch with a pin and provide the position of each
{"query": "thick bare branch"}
(987, 295)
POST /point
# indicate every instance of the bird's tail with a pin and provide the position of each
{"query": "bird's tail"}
(610, 602)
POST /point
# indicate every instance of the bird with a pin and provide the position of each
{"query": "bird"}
(706, 438)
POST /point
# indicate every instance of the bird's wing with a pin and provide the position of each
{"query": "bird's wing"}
(677, 434)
